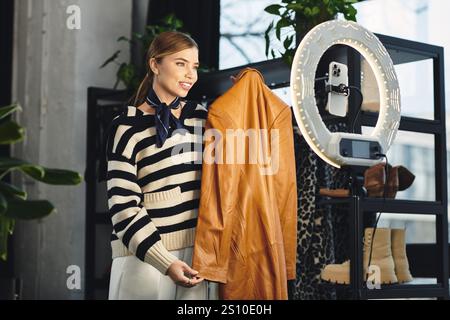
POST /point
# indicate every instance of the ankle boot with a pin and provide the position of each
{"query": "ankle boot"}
(381, 257)
(399, 179)
(399, 254)
(375, 181)
(405, 178)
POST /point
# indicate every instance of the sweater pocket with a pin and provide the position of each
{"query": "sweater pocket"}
(161, 203)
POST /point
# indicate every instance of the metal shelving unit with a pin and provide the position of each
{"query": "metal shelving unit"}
(277, 74)
(405, 51)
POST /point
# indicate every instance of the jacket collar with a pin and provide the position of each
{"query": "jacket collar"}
(247, 70)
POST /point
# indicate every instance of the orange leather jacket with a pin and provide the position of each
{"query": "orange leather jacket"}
(246, 234)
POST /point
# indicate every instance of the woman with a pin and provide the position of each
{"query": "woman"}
(154, 154)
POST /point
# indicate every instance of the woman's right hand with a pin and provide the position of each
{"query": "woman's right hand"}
(183, 275)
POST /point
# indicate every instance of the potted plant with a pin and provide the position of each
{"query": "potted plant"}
(13, 201)
(300, 16)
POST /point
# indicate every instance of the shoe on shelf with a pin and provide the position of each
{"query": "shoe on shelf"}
(381, 257)
(399, 254)
(399, 179)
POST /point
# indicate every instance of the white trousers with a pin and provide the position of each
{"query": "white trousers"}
(132, 279)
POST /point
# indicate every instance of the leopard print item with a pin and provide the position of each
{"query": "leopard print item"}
(322, 232)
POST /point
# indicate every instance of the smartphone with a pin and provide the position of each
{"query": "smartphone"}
(337, 103)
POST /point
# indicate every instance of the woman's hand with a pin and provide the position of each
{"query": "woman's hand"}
(183, 275)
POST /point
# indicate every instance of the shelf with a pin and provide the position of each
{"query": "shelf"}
(406, 291)
(425, 288)
(406, 123)
(393, 206)
(405, 51)
(418, 288)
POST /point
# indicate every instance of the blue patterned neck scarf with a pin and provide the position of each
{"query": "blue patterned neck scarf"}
(164, 119)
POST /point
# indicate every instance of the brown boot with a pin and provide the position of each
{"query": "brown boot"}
(399, 254)
(405, 178)
(399, 179)
(375, 180)
(381, 257)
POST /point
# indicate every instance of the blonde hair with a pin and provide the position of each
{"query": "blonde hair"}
(164, 44)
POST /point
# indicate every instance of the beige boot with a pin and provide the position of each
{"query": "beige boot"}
(381, 257)
(399, 255)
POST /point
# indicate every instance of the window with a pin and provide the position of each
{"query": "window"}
(242, 27)
(423, 21)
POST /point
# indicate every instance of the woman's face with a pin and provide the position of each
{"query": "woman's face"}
(176, 74)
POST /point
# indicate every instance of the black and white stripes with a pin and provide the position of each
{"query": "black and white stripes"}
(153, 193)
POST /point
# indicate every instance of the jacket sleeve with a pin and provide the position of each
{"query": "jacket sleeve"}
(218, 198)
(130, 219)
(286, 182)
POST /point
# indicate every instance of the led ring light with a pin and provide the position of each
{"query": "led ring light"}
(339, 148)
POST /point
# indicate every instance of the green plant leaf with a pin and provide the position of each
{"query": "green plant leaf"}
(267, 38)
(351, 14)
(138, 36)
(273, 9)
(126, 73)
(10, 190)
(168, 19)
(330, 11)
(110, 59)
(6, 229)
(37, 172)
(282, 23)
(55, 176)
(11, 132)
(307, 12)
(7, 110)
(288, 41)
(122, 38)
(295, 6)
(3, 204)
(10, 163)
(315, 11)
(272, 52)
(29, 209)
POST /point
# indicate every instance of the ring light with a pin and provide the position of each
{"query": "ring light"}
(339, 148)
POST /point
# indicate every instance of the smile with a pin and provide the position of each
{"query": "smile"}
(185, 85)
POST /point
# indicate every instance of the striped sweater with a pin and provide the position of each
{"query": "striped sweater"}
(153, 193)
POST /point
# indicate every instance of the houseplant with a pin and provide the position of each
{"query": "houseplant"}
(300, 16)
(13, 201)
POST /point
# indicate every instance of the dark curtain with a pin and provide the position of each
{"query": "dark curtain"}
(200, 19)
(6, 56)
(6, 43)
